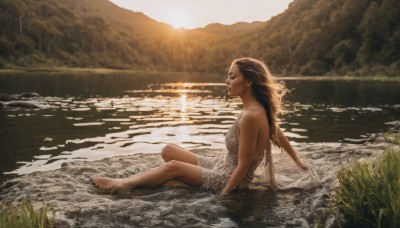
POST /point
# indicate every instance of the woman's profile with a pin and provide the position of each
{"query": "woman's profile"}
(248, 140)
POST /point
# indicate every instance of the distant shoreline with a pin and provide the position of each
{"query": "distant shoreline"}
(343, 78)
(71, 70)
(102, 71)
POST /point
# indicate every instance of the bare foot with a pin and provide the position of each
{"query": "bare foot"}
(110, 185)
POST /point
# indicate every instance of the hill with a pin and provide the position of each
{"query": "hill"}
(319, 37)
(312, 37)
(339, 36)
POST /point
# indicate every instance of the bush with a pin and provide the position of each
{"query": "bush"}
(6, 47)
(368, 194)
(392, 137)
(314, 67)
(24, 45)
(26, 216)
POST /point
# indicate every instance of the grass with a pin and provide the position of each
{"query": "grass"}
(26, 216)
(368, 194)
(392, 137)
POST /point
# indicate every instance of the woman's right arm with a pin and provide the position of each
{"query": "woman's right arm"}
(285, 144)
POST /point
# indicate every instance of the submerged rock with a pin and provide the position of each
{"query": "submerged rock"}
(29, 100)
(13, 97)
(23, 104)
(29, 95)
(7, 97)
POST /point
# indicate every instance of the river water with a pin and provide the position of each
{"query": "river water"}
(88, 117)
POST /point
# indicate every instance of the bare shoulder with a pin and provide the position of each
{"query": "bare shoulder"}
(252, 117)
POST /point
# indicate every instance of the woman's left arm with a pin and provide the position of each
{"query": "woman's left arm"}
(248, 139)
(285, 144)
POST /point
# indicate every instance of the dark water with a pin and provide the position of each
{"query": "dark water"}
(97, 116)
(81, 118)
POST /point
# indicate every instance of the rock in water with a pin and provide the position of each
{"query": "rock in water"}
(22, 104)
(29, 95)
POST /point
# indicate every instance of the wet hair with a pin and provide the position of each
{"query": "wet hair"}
(267, 89)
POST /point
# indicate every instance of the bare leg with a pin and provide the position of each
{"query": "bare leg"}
(188, 173)
(173, 152)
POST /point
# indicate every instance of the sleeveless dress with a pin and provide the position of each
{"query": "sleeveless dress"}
(275, 171)
(216, 171)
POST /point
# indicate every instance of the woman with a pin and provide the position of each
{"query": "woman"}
(248, 139)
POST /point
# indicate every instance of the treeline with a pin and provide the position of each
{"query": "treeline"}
(68, 33)
(312, 37)
(94, 33)
(335, 36)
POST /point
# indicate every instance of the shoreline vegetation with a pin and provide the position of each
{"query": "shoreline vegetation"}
(26, 216)
(368, 191)
(73, 70)
(103, 71)
(343, 37)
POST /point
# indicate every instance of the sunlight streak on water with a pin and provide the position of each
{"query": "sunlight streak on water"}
(142, 121)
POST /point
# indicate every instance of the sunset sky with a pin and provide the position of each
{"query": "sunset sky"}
(194, 14)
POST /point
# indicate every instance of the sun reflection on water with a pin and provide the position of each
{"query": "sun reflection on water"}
(183, 103)
(183, 113)
(192, 115)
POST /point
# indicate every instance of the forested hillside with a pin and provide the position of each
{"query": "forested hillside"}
(91, 33)
(312, 37)
(315, 37)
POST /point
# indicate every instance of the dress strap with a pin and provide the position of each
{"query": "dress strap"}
(240, 115)
(236, 124)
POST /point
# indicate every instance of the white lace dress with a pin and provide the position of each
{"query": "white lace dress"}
(216, 171)
(277, 170)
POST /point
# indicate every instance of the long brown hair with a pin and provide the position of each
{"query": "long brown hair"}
(268, 90)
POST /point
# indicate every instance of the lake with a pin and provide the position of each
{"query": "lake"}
(87, 124)
(89, 116)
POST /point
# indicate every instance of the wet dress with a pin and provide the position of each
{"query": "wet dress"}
(277, 170)
(216, 171)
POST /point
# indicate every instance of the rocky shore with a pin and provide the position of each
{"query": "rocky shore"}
(79, 204)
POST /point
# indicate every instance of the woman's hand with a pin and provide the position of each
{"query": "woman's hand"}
(285, 144)
(301, 163)
(226, 190)
(223, 193)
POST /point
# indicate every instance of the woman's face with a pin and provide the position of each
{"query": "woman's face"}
(235, 82)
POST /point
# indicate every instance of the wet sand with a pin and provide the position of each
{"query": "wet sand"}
(79, 204)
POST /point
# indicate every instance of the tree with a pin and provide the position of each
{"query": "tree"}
(38, 29)
(372, 29)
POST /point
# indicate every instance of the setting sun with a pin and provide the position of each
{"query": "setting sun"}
(197, 14)
(178, 19)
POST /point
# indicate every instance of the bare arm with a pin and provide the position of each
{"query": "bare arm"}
(248, 140)
(285, 144)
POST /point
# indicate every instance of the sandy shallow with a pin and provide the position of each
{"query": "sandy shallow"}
(79, 204)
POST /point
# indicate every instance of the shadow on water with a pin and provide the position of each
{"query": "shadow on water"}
(89, 85)
(250, 208)
(344, 93)
(330, 92)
